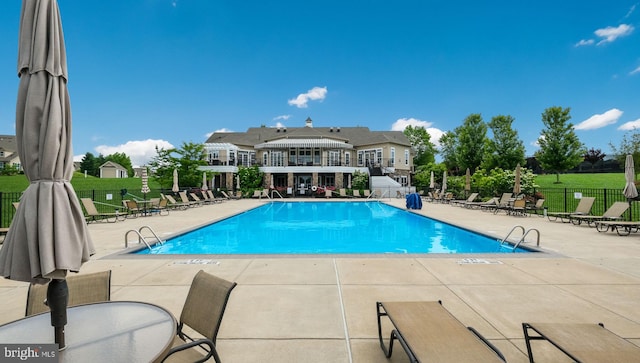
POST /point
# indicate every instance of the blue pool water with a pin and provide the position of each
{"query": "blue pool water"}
(328, 228)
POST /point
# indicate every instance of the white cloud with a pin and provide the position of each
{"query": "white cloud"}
(140, 152)
(609, 34)
(631, 10)
(435, 133)
(281, 117)
(631, 125)
(314, 94)
(584, 42)
(597, 121)
(637, 70)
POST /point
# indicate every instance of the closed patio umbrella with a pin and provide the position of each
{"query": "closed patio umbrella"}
(444, 182)
(432, 183)
(145, 182)
(175, 188)
(204, 181)
(48, 235)
(467, 180)
(516, 184)
(630, 191)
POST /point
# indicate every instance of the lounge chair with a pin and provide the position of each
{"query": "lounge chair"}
(583, 208)
(213, 197)
(94, 215)
(175, 204)
(196, 199)
(133, 209)
(534, 209)
(367, 193)
(505, 202)
(429, 333)
(327, 193)
(202, 312)
(615, 211)
(518, 208)
(463, 202)
(622, 228)
(257, 194)
(582, 342)
(161, 207)
(356, 193)
(343, 193)
(83, 289)
(185, 200)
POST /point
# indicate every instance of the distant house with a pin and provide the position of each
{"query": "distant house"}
(113, 170)
(8, 152)
(307, 157)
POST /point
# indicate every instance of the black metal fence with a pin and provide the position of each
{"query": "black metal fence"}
(556, 200)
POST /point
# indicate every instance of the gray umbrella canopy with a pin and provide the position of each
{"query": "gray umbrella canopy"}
(432, 182)
(630, 191)
(175, 188)
(48, 236)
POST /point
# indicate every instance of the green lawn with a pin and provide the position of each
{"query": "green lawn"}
(19, 183)
(596, 181)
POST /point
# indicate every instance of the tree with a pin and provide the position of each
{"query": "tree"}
(90, 165)
(192, 156)
(505, 150)
(421, 142)
(470, 148)
(630, 145)
(592, 156)
(360, 180)
(448, 143)
(251, 178)
(162, 166)
(560, 147)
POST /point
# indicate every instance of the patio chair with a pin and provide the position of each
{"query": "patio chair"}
(213, 197)
(343, 193)
(175, 204)
(583, 208)
(133, 209)
(582, 342)
(83, 289)
(487, 205)
(185, 200)
(463, 202)
(367, 193)
(93, 215)
(161, 207)
(504, 203)
(428, 332)
(614, 212)
(327, 193)
(196, 199)
(622, 228)
(356, 193)
(518, 208)
(534, 209)
(202, 312)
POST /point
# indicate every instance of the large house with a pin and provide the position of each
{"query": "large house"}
(301, 159)
(9, 152)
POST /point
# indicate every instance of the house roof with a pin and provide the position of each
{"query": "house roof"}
(111, 164)
(355, 136)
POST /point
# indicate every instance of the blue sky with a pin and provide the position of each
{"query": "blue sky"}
(162, 72)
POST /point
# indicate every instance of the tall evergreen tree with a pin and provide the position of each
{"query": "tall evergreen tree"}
(560, 147)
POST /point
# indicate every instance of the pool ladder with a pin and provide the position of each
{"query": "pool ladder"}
(504, 243)
(141, 237)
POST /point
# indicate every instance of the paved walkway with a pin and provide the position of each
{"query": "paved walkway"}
(322, 309)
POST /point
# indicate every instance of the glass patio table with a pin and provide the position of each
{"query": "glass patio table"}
(113, 331)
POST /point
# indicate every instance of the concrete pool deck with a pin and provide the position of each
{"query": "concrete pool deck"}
(322, 308)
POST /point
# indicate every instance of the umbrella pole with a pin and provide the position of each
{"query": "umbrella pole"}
(57, 299)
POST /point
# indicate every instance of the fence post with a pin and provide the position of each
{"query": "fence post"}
(1, 210)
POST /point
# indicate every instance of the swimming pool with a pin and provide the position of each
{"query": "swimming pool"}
(328, 228)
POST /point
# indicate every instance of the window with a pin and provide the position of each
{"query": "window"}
(406, 157)
(334, 158)
(214, 155)
(277, 158)
(360, 158)
(265, 158)
(392, 158)
(347, 159)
